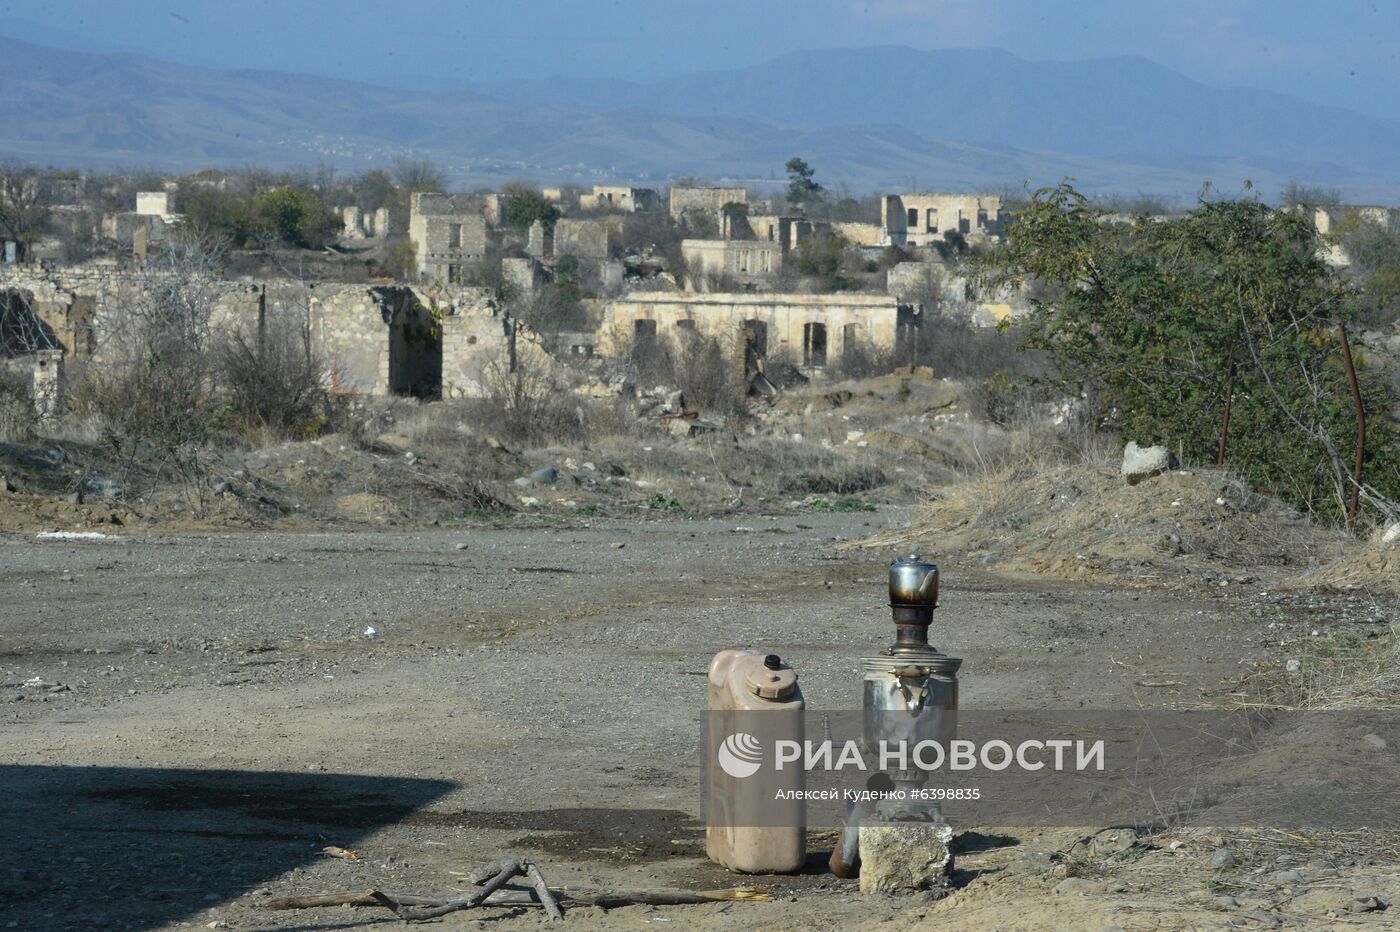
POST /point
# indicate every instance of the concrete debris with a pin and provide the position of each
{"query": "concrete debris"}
(905, 857)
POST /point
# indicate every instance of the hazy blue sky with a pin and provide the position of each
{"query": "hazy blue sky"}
(1343, 52)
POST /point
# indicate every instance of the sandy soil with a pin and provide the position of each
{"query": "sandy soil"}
(209, 714)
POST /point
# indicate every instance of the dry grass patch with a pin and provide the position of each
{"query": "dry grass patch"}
(1085, 523)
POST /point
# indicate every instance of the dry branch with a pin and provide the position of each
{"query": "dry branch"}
(508, 870)
(551, 906)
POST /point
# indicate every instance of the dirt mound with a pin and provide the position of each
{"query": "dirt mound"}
(1374, 566)
(1086, 523)
(19, 512)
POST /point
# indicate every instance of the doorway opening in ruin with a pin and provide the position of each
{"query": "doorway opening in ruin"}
(755, 336)
(814, 344)
(643, 336)
(646, 349)
(908, 328)
(415, 344)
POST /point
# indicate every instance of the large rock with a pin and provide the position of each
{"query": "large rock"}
(1141, 463)
(905, 857)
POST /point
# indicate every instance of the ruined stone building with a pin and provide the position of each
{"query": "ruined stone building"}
(360, 224)
(812, 331)
(155, 203)
(374, 339)
(620, 198)
(922, 219)
(922, 282)
(147, 224)
(709, 201)
(587, 239)
(748, 263)
(787, 232)
(448, 231)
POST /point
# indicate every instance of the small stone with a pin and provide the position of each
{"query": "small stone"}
(1375, 742)
(1114, 840)
(1286, 877)
(1222, 858)
(1293, 666)
(460, 547)
(547, 474)
(1030, 862)
(1364, 904)
(1079, 885)
(1227, 902)
(618, 545)
(1265, 918)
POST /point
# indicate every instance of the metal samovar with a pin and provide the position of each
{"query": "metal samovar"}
(911, 688)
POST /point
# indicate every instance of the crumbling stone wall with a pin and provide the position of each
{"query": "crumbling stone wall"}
(921, 219)
(359, 225)
(811, 330)
(524, 275)
(746, 262)
(586, 239)
(683, 200)
(476, 347)
(868, 235)
(619, 197)
(375, 339)
(910, 282)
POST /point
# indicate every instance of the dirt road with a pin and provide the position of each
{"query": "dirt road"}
(190, 720)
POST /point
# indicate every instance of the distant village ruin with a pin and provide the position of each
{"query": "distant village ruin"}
(739, 269)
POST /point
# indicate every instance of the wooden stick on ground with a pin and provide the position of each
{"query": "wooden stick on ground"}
(508, 870)
(602, 899)
(551, 906)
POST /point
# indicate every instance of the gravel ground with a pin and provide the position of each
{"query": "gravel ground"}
(191, 719)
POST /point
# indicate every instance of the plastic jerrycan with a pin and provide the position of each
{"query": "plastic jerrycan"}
(748, 829)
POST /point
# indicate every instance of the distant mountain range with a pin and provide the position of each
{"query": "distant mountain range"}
(874, 118)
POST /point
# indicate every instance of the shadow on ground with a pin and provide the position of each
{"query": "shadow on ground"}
(133, 848)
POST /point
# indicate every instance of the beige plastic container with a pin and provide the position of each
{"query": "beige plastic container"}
(742, 682)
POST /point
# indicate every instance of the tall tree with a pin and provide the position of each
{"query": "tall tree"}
(24, 202)
(802, 186)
